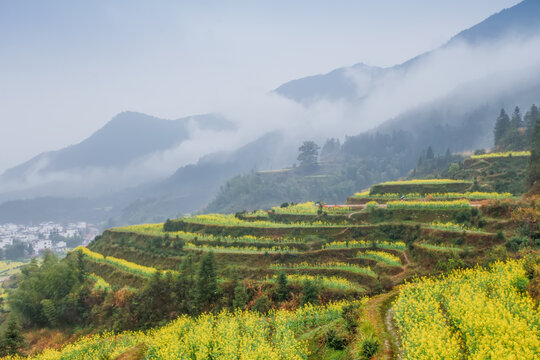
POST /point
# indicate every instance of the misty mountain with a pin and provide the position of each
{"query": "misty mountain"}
(193, 186)
(189, 189)
(353, 83)
(520, 20)
(338, 84)
(127, 137)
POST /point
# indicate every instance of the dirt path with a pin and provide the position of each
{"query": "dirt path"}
(393, 331)
(375, 312)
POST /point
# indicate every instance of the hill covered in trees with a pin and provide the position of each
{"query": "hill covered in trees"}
(341, 169)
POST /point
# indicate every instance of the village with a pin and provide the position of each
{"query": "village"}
(47, 235)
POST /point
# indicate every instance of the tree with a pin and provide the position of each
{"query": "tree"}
(183, 285)
(12, 339)
(50, 293)
(531, 117)
(282, 292)
(429, 153)
(533, 169)
(17, 250)
(330, 150)
(240, 296)
(502, 126)
(262, 304)
(310, 293)
(448, 153)
(516, 121)
(206, 286)
(309, 152)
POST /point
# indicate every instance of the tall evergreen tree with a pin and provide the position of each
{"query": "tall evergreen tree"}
(206, 285)
(531, 117)
(310, 293)
(502, 126)
(516, 121)
(429, 153)
(282, 292)
(11, 340)
(533, 170)
(240, 296)
(184, 285)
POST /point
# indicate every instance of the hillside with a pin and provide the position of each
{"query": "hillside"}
(349, 262)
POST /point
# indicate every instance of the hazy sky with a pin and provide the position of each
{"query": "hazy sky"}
(67, 67)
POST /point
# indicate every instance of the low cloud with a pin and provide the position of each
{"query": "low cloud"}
(468, 75)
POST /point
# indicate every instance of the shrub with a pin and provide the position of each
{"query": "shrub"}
(349, 315)
(516, 243)
(371, 205)
(370, 346)
(333, 340)
(262, 304)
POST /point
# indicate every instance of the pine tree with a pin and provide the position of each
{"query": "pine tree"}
(448, 154)
(502, 126)
(206, 285)
(532, 116)
(240, 296)
(310, 293)
(282, 292)
(516, 121)
(183, 285)
(11, 340)
(429, 153)
(533, 170)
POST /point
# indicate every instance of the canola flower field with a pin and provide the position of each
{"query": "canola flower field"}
(429, 205)
(326, 266)
(231, 220)
(380, 256)
(119, 263)
(469, 314)
(227, 335)
(328, 282)
(309, 208)
(157, 230)
(501, 154)
(363, 244)
(241, 249)
(475, 195)
(99, 283)
(436, 247)
(423, 182)
(452, 226)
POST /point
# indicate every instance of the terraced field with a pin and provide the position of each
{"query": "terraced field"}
(346, 253)
(305, 239)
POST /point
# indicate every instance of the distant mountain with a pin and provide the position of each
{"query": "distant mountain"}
(188, 190)
(191, 187)
(521, 20)
(335, 85)
(127, 137)
(353, 83)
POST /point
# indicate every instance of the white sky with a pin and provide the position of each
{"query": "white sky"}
(66, 67)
